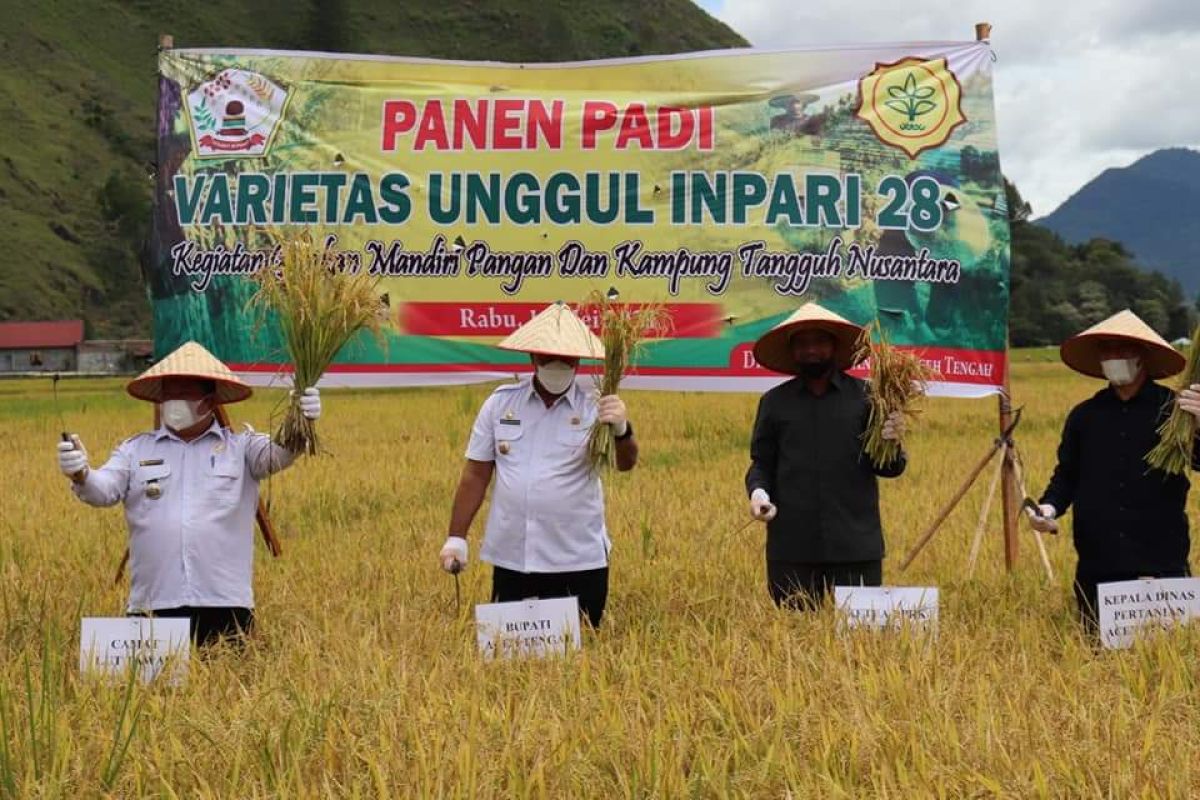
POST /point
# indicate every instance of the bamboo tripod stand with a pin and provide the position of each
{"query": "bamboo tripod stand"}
(1010, 473)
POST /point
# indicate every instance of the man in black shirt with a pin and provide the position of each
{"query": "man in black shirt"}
(823, 526)
(1130, 520)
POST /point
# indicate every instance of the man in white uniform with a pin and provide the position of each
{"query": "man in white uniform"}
(190, 491)
(545, 534)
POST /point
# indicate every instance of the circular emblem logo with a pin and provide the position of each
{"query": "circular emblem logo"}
(913, 104)
(235, 114)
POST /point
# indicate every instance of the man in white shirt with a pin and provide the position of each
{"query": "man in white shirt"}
(190, 491)
(545, 534)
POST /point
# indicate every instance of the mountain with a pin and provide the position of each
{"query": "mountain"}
(77, 83)
(1152, 207)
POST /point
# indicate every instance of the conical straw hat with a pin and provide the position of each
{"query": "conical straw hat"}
(1082, 352)
(555, 331)
(774, 348)
(191, 360)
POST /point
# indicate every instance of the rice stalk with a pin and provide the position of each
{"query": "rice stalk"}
(318, 308)
(695, 684)
(623, 327)
(898, 380)
(1173, 453)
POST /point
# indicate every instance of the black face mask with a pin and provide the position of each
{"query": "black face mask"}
(816, 370)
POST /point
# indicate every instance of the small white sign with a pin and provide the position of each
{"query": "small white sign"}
(528, 627)
(111, 646)
(888, 606)
(1130, 608)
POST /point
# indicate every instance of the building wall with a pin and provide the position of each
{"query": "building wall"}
(60, 359)
(114, 361)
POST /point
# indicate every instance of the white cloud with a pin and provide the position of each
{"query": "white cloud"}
(1080, 86)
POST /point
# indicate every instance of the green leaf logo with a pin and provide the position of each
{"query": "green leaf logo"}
(204, 118)
(911, 100)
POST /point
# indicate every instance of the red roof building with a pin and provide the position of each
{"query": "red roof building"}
(40, 335)
(40, 346)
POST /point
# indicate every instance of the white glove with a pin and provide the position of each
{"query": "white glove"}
(761, 507)
(72, 457)
(1189, 400)
(1044, 520)
(893, 426)
(310, 403)
(454, 554)
(612, 412)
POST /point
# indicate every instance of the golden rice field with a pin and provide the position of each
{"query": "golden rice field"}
(363, 681)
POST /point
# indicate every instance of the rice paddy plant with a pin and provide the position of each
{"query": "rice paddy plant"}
(623, 329)
(897, 382)
(1177, 434)
(318, 308)
(362, 681)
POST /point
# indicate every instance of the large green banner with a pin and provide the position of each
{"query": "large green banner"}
(731, 187)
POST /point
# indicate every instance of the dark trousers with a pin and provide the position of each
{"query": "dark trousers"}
(1087, 593)
(804, 586)
(210, 623)
(590, 586)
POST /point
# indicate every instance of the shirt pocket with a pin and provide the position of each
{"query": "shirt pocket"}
(508, 441)
(572, 438)
(225, 478)
(151, 481)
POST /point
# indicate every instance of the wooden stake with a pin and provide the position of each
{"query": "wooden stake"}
(983, 516)
(1019, 473)
(121, 568)
(1010, 496)
(1008, 485)
(261, 515)
(941, 517)
(1041, 544)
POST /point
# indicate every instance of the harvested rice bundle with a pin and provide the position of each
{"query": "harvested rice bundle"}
(623, 328)
(1173, 453)
(318, 308)
(898, 380)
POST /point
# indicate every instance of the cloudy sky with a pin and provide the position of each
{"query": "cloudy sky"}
(1081, 85)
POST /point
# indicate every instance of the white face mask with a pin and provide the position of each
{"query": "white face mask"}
(556, 377)
(1121, 371)
(179, 415)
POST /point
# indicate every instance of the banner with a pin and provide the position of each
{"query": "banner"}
(729, 186)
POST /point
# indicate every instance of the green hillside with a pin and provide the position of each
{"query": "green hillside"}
(1149, 206)
(77, 85)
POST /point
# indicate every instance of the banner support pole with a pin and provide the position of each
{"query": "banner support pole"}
(1009, 492)
(1008, 478)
